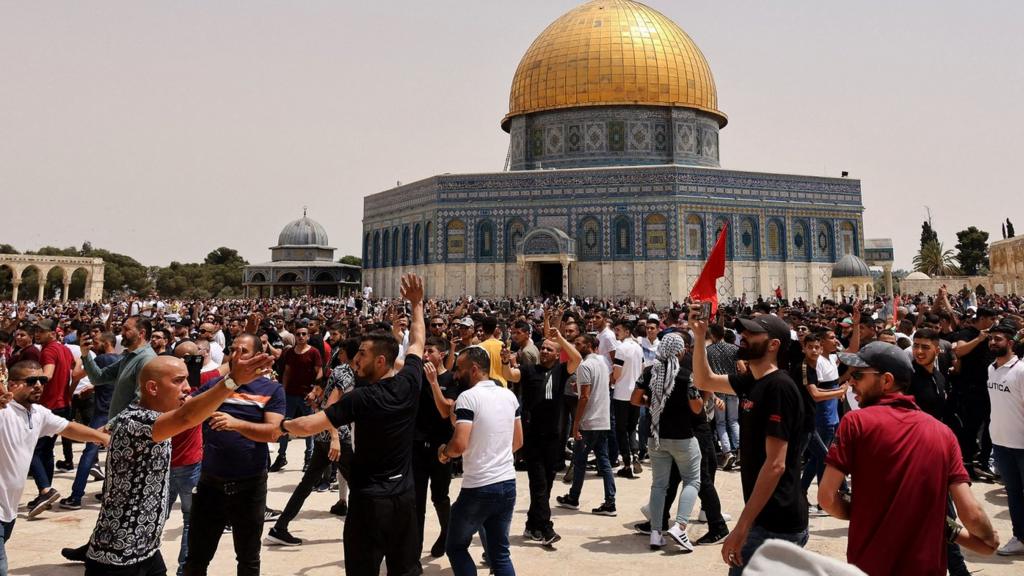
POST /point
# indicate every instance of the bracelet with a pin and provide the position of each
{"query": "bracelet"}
(280, 426)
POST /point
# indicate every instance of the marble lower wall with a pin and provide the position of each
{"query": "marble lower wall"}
(661, 281)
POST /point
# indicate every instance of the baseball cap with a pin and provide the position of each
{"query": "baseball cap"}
(1006, 326)
(884, 357)
(654, 317)
(467, 321)
(766, 323)
(46, 325)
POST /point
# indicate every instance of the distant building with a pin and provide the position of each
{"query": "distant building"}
(301, 263)
(614, 187)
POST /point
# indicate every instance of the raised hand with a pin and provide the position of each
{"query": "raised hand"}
(412, 288)
(431, 372)
(245, 370)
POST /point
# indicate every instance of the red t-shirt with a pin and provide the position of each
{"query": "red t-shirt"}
(902, 462)
(301, 370)
(57, 393)
(187, 446)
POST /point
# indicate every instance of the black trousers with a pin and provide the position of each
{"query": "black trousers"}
(570, 403)
(626, 418)
(152, 566)
(319, 463)
(382, 528)
(427, 471)
(218, 502)
(975, 442)
(542, 453)
(709, 501)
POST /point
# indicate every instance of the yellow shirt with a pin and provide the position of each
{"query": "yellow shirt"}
(493, 347)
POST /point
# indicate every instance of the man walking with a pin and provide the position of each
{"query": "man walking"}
(626, 369)
(488, 431)
(1006, 388)
(57, 363)
(303, 366)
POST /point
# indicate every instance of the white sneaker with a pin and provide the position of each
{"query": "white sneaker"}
(816, 512)
(679, 535)
(1013, 547)
(657, 540)
(702, 518)
(646, 511)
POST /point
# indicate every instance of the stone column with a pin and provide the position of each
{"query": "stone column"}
(67, 288)
(14, 291)
(887, 270)
(565, 276)
(42, 289)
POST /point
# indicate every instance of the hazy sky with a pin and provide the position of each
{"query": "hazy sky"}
(165, 129)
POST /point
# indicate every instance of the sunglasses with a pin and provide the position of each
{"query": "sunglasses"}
(302, 333)
(438, 325)
(33, 380)
(858, 376)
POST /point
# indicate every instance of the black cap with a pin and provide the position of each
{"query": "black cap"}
(882, 356)
(765, 324)
(986, 313)
(1006, 326)
(46, 325)
(186, 322)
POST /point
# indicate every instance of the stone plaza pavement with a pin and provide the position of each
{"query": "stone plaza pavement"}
(591, 545)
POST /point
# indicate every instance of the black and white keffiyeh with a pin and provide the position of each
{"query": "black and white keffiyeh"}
(663, 378)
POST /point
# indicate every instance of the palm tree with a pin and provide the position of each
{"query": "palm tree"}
(934, 260)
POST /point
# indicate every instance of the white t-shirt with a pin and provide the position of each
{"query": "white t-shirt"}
(493, 411)
(827, 369)
(630, 356)
(606, 343)
(216, 352)
(1006, 391)
(20, 429)
(593, 372)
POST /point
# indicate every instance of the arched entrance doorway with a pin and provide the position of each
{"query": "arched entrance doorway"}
(545, 256)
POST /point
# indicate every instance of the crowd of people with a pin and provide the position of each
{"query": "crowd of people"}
(891, 407)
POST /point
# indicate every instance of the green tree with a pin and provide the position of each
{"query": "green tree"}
(350, 259)
(1009, 228)
(927, 234)
(8, 249)
(972, 250)
(225, 256)
(934, 260)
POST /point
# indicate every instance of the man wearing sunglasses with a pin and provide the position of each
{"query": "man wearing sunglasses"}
(903, 462)
(22, 422)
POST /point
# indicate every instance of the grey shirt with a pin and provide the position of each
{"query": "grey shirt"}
(593, 372)
(123, 375)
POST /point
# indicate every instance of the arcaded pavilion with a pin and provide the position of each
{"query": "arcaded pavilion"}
(613, 186)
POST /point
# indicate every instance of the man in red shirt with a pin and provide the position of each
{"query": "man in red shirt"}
(903, 463)
(303, 366)
(57, 363)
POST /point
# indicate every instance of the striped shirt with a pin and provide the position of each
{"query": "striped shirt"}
(228, 454)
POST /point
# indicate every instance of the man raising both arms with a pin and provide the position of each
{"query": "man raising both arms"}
(771, 417)
(381, 523)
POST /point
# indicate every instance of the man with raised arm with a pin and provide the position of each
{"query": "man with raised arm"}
(381, 523)
(771, 419)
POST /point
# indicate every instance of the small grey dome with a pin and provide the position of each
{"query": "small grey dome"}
(850, 266)
(303, 232)
(917, 276)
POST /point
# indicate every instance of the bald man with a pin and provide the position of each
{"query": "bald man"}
(126, 539)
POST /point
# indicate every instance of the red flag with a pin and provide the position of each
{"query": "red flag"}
(705, 288)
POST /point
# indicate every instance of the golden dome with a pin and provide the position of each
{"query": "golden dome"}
(612, 52)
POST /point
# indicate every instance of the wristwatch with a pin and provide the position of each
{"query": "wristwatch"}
(230, 384)
(280, 426)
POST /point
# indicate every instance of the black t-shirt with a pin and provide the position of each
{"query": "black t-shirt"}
(676, 422)
(542, 391)
(385, 417)
(430, 425)
(772, 406)
(810, 406)
(973, 378)
(929, 391)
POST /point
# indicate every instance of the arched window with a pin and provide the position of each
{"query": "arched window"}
(456, 239)
(694, 236)
(748, 245)
(376, 249)
(405, 245)
(515, 230)
(485, 240)
(801, 241)
(848, 235)
(588, 241)
(824, 248)
(394, 248)
(622, 237)
(774, 237)
(717, 229)
(386, 248)
(656, 235)
(428, 239)
(416, 248)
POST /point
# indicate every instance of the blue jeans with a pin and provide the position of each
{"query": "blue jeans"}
(596, 440)
(817, 448)
(183, 480)
(727, 423)
(5, 534)
(489, 508)
(1010, 462)
(684, 454)
(757, 536)
(295, 407)
(88, 458)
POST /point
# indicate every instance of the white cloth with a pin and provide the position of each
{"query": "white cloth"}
(493, 411)
(1006, 392)
(650, 349)
(216, 352)
(630, 356)
(827, 369)
(20, 429)
(594, 373)
(781, 558)
(606, 343)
